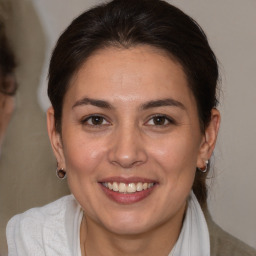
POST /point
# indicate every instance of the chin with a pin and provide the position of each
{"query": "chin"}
(128, 229)
(129, 223)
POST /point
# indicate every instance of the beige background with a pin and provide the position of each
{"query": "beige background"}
(27, 167)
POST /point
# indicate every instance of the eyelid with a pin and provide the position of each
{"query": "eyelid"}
(168, 118)
(85, 119)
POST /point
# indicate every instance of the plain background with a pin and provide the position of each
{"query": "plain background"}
(27, 176)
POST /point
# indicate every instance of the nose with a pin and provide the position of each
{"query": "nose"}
(127, 148)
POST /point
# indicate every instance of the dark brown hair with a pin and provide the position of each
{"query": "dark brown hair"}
(123, 23)
(7, 65)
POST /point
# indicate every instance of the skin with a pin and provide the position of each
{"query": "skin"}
(7, 105)
(130, 141)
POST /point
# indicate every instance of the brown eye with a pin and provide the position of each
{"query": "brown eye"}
(95, 121)
(160, 120)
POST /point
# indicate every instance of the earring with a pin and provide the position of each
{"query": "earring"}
(205, 168)
(60, 173)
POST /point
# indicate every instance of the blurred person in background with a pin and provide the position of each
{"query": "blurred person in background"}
(25, 146)
(8, 84)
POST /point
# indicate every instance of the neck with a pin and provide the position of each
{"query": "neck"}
(96, 240)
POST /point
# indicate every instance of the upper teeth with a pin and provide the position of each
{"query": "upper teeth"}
(127, 188)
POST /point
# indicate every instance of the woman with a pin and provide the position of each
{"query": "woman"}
(7, 83)
(133, 125)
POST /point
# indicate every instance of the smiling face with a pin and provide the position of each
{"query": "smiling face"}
(130, 139)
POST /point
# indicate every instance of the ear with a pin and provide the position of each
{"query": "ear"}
(209, 139)
(55, 139)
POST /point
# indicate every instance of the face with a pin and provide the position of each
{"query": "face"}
(7, 104)
(130, 139)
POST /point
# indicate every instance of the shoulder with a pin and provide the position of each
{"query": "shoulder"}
(40, 215)
(40, 229)
(224, 244)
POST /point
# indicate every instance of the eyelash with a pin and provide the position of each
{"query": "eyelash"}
(85, 121)
(166, 119)
(103, 121)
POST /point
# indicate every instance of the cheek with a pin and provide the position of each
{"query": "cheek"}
(177, 156)
(176, 150)
(7, 105)
(82, 156)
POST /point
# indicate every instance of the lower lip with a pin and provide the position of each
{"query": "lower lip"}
(127, 198)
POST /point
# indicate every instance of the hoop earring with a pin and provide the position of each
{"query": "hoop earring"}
(60, 173)
(205, 168)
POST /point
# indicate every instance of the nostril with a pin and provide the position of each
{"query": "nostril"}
(127, 149)
(130, 161)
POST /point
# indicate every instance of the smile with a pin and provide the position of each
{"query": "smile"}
(128, 191)
(127, 188)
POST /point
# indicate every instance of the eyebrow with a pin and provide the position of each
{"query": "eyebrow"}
(150, 104)
(94, 102)
(163, 103)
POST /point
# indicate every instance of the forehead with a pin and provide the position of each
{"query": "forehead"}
(141, 70)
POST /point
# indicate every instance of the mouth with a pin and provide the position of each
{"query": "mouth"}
(129, 188)
(130, 191)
